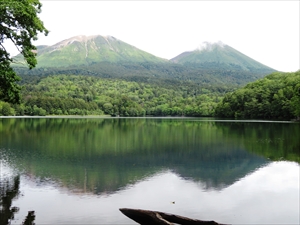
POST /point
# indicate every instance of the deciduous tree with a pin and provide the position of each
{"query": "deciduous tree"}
(20, 24)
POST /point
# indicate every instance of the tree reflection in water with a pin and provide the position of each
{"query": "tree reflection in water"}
(29, 220)
(9, 190)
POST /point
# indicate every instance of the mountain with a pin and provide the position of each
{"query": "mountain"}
(109, 57)
(87, 50)
(220, 56)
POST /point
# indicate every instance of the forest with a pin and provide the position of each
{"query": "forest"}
(149, 72)
(89, 95)
(276, 96)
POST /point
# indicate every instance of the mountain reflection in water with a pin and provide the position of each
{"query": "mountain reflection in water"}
(251, 200)
(100, 165)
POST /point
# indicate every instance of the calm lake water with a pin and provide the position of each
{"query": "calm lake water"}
(82, 170)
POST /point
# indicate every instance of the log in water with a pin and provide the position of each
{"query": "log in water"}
(147, 217)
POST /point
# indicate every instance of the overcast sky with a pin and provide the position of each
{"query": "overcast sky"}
(267, 31)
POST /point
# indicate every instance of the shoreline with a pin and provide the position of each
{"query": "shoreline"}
(204, 119)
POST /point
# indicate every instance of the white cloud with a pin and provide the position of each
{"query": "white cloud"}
(209, 45)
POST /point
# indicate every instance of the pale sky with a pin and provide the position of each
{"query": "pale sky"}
(267, 31)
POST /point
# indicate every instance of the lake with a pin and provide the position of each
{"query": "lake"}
(82, 170)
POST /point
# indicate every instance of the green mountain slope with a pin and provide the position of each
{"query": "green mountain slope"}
(86, 50)
(108, 57)
(221, 56)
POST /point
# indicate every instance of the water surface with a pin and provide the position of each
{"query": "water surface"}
(81, 171)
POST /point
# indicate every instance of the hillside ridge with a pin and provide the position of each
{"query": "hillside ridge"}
(107, 56)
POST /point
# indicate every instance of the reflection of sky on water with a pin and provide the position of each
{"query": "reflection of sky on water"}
(269, 195)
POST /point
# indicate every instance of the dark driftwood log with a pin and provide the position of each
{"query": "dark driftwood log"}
(147, 217)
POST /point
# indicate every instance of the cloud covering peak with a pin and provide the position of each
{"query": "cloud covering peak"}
(209, 46)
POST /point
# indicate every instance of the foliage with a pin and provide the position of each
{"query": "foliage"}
(9, 89)
(19, 24)
(6, 109)
(276, 96)
(155, 72)
(87, 95)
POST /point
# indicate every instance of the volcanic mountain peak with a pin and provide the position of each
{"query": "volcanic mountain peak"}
(82, 39)
(87, 50)
(220, 56)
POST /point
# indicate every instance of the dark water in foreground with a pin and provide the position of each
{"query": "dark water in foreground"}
(81, 171)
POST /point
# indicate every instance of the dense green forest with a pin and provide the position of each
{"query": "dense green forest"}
(89, 95)
(205, 74)
(275, 96)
